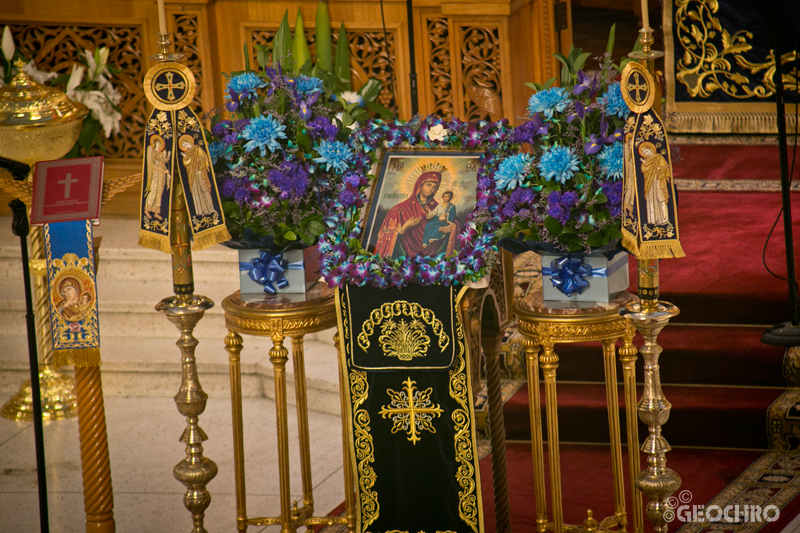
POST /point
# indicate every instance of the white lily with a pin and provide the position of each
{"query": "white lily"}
(101, 109)
(351, 97)
(75, 79)
(8, 44)
(39, 76)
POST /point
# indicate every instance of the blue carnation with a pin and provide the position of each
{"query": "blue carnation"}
(245, 84)
(559, 163)
(218, 149)
(548, 101)
(611, 160)
(263, 133)
(613, 102)
(308, 85)
(333, 154)
(512, 171)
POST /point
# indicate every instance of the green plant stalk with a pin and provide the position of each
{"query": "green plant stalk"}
(324, 42)
(301, 53)
(341, 64)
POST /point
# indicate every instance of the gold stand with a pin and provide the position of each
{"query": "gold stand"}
(185, 310)
(544, 327)
(279, 317)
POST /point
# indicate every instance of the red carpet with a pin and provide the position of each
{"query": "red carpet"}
(721, 162)
(587, 468)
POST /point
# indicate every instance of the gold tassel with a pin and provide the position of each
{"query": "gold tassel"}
(154, 241)
(630, 243)
(210, 237)
(753, 122)
(660, 250)
(81, 357)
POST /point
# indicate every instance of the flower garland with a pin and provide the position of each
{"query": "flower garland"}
(342, 258)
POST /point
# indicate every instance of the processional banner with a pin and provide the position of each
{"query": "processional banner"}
(73, 293)
(720, 64)
(409, 410)
(174, 143)
(649, 213)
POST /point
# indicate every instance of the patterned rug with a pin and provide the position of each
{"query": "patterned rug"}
(773, 480)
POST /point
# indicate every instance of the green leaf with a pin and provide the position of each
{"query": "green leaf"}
(553, 226)
(568, 238)
(370, 90)
(563, 60)
(569, 228)
(262, 55)
(613, 233)
(290, 236)
(637, 46)
(535, 86)
(566, 77)
(596, 240)
(282, 45)
(580, 61)
(600, 197)
(303, 140)
(585, 228)
(60, 80)
(549, 83)
(341, 63)
(301, 53)
(246, 57)
(380, 110)
(316, 228)
(324, 43)
(573, 55)
(611, 37)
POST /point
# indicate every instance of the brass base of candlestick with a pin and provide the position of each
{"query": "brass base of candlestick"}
(58, 398)
(165, 55)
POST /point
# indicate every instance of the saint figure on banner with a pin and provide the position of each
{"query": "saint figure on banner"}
(629, 177)
(403, 230)
(158, 177)
(656, 183)
(197, 166)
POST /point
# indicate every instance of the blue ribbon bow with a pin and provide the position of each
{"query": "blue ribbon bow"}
(568, 274)
(268, 270)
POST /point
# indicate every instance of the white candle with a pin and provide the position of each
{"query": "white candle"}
(645, 15)
(162, 17)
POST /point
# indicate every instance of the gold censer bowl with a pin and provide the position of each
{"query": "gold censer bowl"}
(37, 123)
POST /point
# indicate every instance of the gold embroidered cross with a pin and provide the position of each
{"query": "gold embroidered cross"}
(411, 410)
(169, 86)
(637, 86)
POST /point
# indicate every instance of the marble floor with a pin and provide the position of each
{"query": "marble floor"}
(143, 438)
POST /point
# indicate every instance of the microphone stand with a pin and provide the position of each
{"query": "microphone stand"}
(20, 228)
(786, 333)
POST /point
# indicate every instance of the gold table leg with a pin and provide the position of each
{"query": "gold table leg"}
(298, 361)
(549, 363)
(537, 447)
(98, 496)
(278, 356)
(612, 403)
(628, 355)
(233, 345)
(490, 341)
(349, 482)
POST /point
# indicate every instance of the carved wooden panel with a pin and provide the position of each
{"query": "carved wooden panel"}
(480, 68)
(368, 59)
(439, 68)
(186, 29)
(56, 48)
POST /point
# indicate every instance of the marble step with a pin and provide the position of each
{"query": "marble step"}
(151, 367)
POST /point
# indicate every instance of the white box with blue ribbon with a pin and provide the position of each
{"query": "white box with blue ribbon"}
(584, 278)
(292, 272)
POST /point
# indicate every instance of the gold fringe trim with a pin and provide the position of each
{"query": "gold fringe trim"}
(210, 237)
(81, 357)
(154, 241)
(753, 122)
(660, 250)
(630, 243)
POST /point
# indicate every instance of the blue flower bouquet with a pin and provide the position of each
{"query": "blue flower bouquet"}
(564, 192)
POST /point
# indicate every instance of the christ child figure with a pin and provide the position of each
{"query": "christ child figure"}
(441, 217)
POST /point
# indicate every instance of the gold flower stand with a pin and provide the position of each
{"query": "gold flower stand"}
(544, 327)
(281, 316)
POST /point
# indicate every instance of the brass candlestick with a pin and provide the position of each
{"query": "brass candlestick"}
(185, 310)
(649, 317)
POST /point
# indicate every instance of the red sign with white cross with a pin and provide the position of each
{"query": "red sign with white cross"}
(67, 189)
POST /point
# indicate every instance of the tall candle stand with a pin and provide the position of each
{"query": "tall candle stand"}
(185, 309)
(649, 316)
